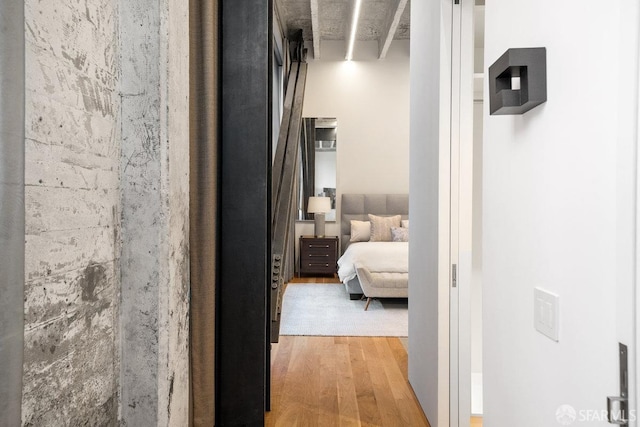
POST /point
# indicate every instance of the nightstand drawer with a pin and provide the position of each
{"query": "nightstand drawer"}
(318, 258)
(317, 267)
(318, 255)
(315, 246)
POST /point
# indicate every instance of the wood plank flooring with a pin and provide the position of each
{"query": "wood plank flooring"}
(324, 279)
(341, 381)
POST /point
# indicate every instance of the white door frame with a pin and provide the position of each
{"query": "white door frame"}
(445, 394)
(454, 212)
(462, 73)
(634, 362)
(438, 387)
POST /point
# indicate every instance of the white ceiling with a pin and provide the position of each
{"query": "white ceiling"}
(381, 20)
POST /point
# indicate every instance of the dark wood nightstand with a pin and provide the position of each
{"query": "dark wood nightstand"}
(318, 255)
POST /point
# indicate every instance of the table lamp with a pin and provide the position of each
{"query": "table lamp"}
(318, 206)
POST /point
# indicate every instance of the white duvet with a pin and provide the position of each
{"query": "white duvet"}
(390, 257)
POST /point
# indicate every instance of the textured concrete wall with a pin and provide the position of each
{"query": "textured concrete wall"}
(72, 290)
(143, 218)
(174, 313)
(155, 201)
(107, 213)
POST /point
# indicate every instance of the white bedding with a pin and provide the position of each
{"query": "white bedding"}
(390, 257)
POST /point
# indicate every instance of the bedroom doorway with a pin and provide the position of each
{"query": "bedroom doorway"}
(368, 101)
(371, 157)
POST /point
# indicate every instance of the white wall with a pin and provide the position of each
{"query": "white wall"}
(370, 99)
(558, 210)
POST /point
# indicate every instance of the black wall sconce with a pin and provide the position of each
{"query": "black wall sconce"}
(518, 81)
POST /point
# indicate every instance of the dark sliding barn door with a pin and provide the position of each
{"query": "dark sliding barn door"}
(242, 352)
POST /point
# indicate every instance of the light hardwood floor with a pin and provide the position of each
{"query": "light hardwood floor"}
(324, 279)
(341, 381)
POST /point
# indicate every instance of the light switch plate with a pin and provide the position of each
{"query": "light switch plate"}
(546, 314)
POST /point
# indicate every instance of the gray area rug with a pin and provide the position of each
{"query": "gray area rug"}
(325, 309)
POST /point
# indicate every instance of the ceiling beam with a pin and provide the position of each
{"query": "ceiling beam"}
(393, 19)
(315, 28)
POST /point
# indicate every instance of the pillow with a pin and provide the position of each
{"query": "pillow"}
(360, 231)
(399, 234)
(405, 223)
(381, 227)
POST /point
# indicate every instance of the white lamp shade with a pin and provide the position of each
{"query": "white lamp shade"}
(319, 205)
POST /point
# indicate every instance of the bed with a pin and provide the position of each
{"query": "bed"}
(376, 269)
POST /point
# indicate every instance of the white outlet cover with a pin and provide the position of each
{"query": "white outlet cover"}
(546, 313)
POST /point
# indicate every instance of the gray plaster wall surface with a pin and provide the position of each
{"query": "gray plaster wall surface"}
(72, 288)
(143, 214)
(107, 196)
(174, 314)
(155, 201)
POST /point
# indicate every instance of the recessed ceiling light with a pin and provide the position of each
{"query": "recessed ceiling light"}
(354, 28)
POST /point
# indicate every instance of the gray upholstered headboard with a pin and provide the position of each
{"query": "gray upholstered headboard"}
(358, 206)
